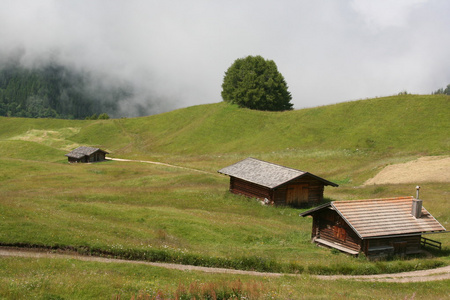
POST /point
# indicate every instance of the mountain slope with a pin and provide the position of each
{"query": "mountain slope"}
(400, 123)
(407, 123)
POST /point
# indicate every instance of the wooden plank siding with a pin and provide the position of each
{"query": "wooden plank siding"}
(95, 157)
(392, 246)
(314, 191)
(312, 188)
(242, 187)
(74, 160)
(328, 225)
(315, 188)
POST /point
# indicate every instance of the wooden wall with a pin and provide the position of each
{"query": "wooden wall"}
(239, 186)
(392, 246)
(328, 225)
(279, 195)
(72, 160)
(77, 160)
(315, 192)
(96, 156)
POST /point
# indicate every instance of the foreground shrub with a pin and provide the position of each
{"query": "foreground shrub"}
(222, 290)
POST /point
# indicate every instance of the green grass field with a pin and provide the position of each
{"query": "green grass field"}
(22, 278)
(159, 213)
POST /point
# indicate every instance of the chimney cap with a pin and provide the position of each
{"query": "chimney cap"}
(417, 192)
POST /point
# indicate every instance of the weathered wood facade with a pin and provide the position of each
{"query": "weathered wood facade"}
(329, 226)
(377, 227)
(275, 184)
(86, 154)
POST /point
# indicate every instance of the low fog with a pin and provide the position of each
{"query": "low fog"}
(174, 53)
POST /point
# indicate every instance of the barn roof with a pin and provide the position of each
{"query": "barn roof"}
(83, 151)
(382, 217)
(266, 174)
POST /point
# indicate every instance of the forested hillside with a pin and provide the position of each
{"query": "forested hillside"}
(54, 91)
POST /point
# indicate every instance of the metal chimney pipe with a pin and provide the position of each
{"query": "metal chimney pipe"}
(416, 208)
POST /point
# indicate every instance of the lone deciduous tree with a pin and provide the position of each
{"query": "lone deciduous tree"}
(254, 82)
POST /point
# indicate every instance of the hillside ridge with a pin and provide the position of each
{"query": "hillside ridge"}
(406, 123)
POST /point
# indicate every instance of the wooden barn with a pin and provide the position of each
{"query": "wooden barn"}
(86, 154)
(275, 184)
(375, 227)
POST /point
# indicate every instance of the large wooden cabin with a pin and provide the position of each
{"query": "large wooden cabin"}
(375, 227)
(275, 184)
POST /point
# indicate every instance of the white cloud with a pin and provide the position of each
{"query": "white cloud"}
(328, 51)
(383, 14)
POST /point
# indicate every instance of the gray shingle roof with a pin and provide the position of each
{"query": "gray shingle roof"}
(264, 173)
(83, 151)
(382, 217)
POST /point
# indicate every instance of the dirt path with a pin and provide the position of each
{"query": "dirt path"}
(424, 169)
(442, 273)
(415, 276)
(158, 163)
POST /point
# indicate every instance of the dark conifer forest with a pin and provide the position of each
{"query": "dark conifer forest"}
(55, 91)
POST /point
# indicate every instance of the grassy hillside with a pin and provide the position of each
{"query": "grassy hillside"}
(373, 132)
(155, 212)
(404, 123)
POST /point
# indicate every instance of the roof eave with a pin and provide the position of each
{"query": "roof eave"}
(321, 179)
(330, 204)
(346, 221)
(255, 183)
(402, 235)
(313, 210)
(326, 182)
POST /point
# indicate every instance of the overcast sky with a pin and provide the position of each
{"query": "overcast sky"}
(176, 52)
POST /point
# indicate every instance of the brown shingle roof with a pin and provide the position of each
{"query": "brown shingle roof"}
(382, 217)
(83, 151)
(265, 174)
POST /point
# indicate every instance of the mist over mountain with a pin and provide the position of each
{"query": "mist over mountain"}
(174, 53)
(47, 88)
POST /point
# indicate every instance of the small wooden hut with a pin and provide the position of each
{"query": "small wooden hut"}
(275, 184)
(86, 154)
(375, 227)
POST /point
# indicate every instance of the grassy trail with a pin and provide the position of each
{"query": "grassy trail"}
(158, 163)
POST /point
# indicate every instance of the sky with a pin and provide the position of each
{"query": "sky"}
(175, 53)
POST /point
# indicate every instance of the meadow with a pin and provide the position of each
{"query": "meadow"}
(152, 212)
(22, 278)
